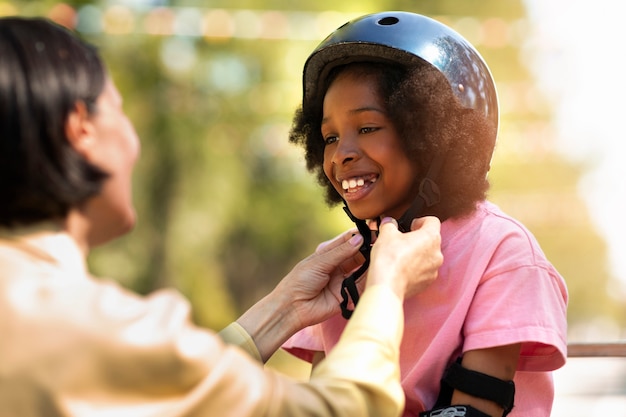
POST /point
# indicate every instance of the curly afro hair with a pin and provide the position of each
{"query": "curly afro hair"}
(430, 121)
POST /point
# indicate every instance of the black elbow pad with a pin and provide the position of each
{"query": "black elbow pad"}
(476, 384)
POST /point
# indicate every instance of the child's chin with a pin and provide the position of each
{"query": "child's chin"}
(362, 214)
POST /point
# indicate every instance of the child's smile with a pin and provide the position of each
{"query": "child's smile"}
(356, 187)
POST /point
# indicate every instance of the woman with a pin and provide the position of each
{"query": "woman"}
(74, 345)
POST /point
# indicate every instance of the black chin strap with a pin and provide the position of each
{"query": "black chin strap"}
(348, 286)
(428, 195)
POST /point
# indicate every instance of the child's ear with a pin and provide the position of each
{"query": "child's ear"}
(79, 130)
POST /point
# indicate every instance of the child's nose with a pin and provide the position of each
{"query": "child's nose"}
(347, 150)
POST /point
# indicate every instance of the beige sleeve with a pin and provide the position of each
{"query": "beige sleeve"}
(361, 375)
(92, 349)
(234, 334)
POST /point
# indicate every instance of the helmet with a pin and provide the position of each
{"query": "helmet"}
(406, 38)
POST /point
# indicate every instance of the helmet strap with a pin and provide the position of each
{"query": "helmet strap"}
(428, 194)
(348, 286)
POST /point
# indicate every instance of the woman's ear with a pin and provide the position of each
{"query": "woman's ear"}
(79, 129)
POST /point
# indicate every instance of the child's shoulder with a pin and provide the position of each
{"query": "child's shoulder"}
(490, 215)
(487, 222)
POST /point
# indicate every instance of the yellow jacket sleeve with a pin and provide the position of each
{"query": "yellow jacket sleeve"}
(234, 334)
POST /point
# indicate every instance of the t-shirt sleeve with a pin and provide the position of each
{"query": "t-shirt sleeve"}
(520, 299)
(305, 343)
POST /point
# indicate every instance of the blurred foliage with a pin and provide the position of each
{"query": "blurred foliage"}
(226, 206)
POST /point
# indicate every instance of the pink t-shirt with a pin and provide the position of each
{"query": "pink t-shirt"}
(495, 288)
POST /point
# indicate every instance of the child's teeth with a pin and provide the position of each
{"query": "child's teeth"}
(355, 182)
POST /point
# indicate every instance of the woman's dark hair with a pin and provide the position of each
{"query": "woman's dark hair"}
(45, 70)
(429, 120)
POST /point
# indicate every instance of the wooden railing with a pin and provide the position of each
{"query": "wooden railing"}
(596, 350)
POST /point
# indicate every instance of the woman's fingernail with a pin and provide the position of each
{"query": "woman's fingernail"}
(356, 240)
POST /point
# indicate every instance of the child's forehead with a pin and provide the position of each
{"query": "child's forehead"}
(368, 74)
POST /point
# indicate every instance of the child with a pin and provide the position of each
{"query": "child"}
(399, 118)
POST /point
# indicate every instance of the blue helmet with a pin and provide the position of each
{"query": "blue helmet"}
(406, 38)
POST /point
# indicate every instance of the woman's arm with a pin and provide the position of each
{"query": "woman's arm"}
(308, 295)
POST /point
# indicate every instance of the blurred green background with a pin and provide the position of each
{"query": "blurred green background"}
(225, 204)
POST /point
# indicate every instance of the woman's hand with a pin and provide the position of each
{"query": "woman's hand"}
(313, 287)
(307, 295)
(407, 262)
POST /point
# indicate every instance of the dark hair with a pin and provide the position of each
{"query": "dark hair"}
(45, 70)
(429, 119)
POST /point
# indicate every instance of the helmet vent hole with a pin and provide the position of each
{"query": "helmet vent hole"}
(388, 21)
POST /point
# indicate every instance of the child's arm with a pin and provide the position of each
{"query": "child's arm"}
(499, 362)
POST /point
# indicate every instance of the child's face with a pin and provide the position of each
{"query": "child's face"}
(364, 158)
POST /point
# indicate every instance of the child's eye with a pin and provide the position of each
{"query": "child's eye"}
(328, 140)
(368, 129)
